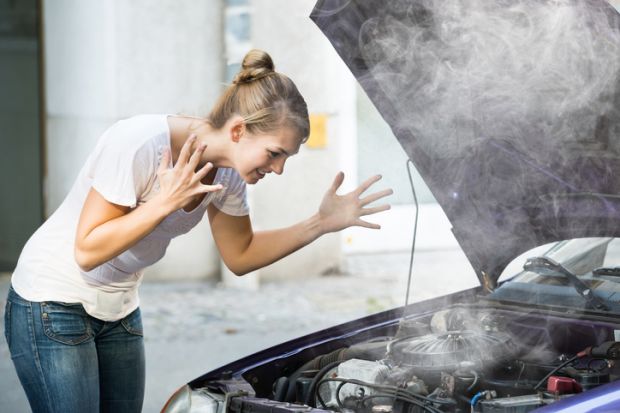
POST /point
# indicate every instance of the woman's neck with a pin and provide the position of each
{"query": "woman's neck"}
(217, 152)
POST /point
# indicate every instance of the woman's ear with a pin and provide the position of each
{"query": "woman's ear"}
(237, 128)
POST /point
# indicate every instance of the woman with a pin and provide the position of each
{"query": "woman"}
(72, 319)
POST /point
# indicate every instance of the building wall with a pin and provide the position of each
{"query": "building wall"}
(20, 154)
(106, 61)
(379, 152)
(299, 50)
(110, 60)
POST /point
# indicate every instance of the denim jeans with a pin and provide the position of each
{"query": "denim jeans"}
(68, 361)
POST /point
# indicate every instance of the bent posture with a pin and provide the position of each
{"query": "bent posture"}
(72, 318)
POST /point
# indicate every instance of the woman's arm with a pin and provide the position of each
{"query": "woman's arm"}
(105, 230)
(244, 250)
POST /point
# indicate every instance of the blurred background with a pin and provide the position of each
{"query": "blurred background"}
(71, 68)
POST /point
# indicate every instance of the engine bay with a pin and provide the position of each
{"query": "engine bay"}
(457, 360)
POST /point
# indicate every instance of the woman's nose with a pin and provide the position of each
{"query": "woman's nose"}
(278, 166)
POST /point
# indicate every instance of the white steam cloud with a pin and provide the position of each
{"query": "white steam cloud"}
(487, 68)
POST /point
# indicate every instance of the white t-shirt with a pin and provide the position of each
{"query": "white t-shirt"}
(122, 168)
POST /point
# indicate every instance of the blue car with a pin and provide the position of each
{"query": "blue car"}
(510, 111)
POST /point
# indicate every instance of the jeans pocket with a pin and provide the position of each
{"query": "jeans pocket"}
(133, 323)
(65, 323)
(7, 323)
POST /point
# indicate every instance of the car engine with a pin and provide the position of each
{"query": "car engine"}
(455, 361)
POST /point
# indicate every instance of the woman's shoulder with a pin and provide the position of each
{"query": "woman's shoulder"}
(135, 133)
(139, 137)
(126, 158)
(140, 126)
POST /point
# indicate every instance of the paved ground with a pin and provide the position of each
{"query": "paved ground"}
(192, 328)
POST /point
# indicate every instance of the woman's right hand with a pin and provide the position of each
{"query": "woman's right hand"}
(181, 184)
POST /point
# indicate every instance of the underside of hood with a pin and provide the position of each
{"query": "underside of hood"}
(510, 111)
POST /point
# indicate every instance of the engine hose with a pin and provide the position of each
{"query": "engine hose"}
(474, 400)
(280, 388)
(338, 355)
(555, 370)
(383, 387)
(342, 354)
(313, 384)
(475, 382)
(414, 402)
(290, 392)
(316, 363)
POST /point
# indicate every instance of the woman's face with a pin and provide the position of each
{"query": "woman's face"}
(263, 153)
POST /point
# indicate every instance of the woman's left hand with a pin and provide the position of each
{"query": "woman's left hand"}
(338, 212)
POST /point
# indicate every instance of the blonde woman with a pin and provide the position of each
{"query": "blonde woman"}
(72, 318)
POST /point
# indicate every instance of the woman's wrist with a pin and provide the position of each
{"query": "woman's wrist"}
(318, 226)
(162, 207)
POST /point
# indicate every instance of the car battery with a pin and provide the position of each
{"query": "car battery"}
(589, 379)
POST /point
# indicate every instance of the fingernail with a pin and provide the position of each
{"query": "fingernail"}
(202, 146)
(192, 137)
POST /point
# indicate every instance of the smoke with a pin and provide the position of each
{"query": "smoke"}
(495, 68)
(504, 107)
(532, 337)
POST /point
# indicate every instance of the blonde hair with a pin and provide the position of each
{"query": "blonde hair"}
(265, 99)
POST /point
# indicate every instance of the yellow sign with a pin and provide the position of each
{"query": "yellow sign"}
(318, 131)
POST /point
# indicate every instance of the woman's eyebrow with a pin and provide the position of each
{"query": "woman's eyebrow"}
(285, 152)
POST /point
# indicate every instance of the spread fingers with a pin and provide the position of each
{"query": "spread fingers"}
(202, 172)
(377, 195)
(194, 160)
(374, 210)
(185, 151)
(366, 184)
(210, 188)
(365, 224)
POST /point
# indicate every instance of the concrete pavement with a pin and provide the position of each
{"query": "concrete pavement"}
(192, 328)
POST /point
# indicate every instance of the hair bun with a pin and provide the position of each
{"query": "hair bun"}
(256, 65)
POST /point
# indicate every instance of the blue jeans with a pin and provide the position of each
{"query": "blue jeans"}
(68, 361)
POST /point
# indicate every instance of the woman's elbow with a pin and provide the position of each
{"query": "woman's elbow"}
(238, 270)
(82, 260)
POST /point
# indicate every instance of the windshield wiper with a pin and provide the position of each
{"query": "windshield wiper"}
(547, 264)
(609, 271)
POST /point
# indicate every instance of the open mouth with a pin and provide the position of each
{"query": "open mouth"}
(261, 174)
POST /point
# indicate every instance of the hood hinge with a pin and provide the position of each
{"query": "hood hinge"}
(488, 283)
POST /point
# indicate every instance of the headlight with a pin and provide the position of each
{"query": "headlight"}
(187, 400)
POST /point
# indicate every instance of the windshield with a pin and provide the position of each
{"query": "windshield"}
(580, 273)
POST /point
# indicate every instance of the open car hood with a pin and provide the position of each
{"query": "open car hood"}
(509, 110)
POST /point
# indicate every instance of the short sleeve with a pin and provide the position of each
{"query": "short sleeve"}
(117, 171)
(234, 199)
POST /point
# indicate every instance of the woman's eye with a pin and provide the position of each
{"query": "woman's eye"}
(273, 154)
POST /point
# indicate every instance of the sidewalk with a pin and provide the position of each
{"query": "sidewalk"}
(192, 328)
